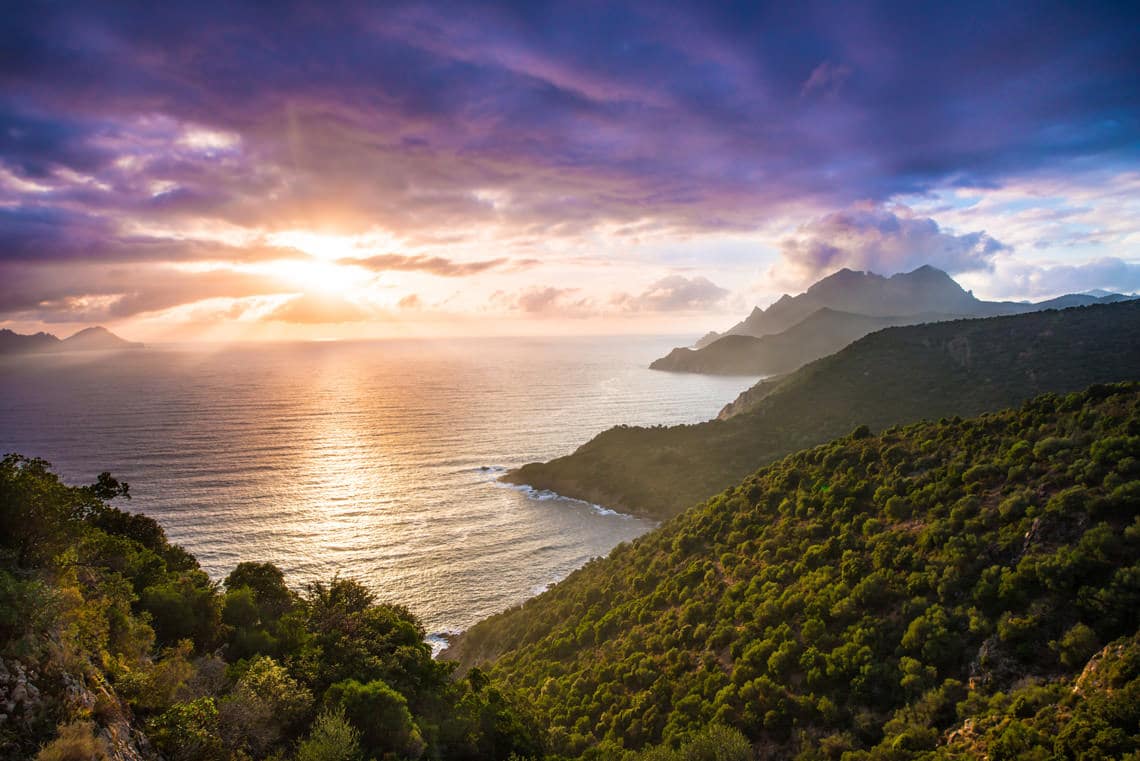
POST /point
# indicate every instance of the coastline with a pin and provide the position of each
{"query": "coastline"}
(575, 491)
(449, 645)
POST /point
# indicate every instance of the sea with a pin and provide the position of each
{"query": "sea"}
(376, 460)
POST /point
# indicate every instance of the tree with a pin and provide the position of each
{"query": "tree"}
(262, 707)
(332, 738)
(381, 715)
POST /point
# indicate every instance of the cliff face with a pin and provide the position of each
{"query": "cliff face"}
(32, 695)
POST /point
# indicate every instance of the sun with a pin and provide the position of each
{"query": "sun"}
(319, 245)
(322, 276)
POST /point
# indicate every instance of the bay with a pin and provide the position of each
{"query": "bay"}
(376, 460)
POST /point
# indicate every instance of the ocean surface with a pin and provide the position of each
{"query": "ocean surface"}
(377, 460)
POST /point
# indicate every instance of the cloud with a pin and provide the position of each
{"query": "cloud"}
(517, 126)
(314, 309)
(546, 301)
(406, 115)
(1013, 279)
(38, 234)
(92, 292)
(411, 301)
(434, 265)
(827, 78)
(674, 293)
(880, 240)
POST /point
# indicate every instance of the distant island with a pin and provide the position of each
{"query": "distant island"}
(842, 308)
(89, 339)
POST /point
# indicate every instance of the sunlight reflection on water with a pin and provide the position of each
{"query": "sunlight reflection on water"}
(368, 458)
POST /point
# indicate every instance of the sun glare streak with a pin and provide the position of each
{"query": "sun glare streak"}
(333, 247)
(319, 276)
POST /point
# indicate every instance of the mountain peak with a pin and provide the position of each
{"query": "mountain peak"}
(925, 290)
(927, 272)
(93, 331)
(96, 337)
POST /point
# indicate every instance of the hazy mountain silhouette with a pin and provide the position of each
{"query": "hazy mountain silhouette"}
(839, 309)
(88, 339)
(824, 332)
(926, 290)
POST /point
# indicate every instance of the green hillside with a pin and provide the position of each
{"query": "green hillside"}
(116, 646)
(952, 589)
(894, 376)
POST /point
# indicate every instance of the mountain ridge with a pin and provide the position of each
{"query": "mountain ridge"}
(924, 290)
(825, 331)
(95, 338)
(894, 376)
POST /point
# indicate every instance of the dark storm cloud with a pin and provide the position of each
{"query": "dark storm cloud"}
(700, 116)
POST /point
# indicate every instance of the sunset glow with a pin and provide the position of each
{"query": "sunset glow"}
(418, 169)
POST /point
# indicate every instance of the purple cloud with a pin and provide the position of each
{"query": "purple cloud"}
(882, 241)
(91, 293)
(540, 120)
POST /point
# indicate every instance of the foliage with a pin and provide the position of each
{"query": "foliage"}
(76, 742)
(92, 594)
(896, 376)
(382, 715)
(868, 596)
(332, 738)
(713, 743)
(955, 589)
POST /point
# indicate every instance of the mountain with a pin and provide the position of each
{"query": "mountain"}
(925, 295)
(897, 375)
(17, 343)
(97, 338)
(824, 332)
(925, 290)
(952, 589)
(88, 339)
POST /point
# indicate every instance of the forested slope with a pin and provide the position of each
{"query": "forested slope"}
(934, 591)
(114, 644)
(894, 376)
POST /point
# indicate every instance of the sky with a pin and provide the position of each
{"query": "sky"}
(221, 170)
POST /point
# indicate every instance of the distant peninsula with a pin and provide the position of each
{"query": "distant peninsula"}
(842, 308)
(894, 376)
(88, 339)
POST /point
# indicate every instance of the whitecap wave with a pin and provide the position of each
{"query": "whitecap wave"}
(546, 495)
(440, 640)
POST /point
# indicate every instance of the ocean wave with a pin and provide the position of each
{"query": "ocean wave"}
(546, 495)
(538, 589)
(439, 641)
